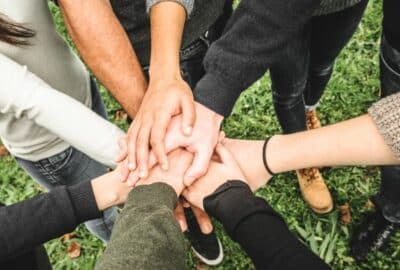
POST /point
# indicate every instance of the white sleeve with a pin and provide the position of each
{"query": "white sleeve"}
(24, 94)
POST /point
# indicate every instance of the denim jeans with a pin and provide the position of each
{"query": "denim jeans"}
(72, 166)
(306, 65)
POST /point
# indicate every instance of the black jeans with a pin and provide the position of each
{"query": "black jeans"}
(301, 76)
(388, 198)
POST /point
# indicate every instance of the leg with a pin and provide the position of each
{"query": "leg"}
(376, 230)
(329, 34)
(289, 79)
(72, 166)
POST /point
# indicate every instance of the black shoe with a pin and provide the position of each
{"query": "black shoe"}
(207, 247)
(372, 235)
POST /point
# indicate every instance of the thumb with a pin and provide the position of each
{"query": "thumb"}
(198, 168)
(123, 146)
(188, 115)
(225, 155)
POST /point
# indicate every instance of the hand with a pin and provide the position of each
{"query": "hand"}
(163, 100)
(109, 190)
(201, 143)
(180, 161)
(202, 218)
(218, 174)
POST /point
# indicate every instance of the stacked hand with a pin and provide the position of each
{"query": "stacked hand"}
(221, 170)
(168, 136)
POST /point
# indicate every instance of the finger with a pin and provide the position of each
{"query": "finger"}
(123, 146)
(180, 216)
(221, 137)
(123, 170)
(132, 138)
(188, 115)
(198, 168)
(185, 203)
(174, 137)
(157, 140)
(143, 149)
(133, 178)
(225, 155)
(203, 219)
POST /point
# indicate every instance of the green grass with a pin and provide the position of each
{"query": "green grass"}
(354, 86)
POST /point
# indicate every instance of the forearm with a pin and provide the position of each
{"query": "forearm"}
(27, 224)
(106, 49)
(260, 231)
(353, 142)
(28, 96)
(167, 22)
(146, 232)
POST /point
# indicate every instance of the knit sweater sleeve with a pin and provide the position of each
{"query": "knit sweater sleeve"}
(187, 4)
(386, 115)
(252, 41)
(23, 94)
(25, 225)
(146, 234)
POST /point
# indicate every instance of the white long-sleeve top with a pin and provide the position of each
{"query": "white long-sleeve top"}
(49, 58)
(26, 98)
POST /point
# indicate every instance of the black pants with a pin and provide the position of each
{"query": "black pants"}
(301, 76)
(388, 199)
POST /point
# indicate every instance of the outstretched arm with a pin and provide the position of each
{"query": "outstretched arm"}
(53, 214)
(25, 95)
(357, 141)
(106, 49)
(146, 233)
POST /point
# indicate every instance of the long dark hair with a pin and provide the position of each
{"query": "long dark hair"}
(14, 33)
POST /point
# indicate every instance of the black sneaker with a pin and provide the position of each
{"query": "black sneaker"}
(372, 235)
(207, 247)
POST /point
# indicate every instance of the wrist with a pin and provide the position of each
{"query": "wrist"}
(165, 70)
(107, 193)
(215, 117)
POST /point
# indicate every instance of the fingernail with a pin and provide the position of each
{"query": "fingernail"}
(131, 166)
(142, 174)
(182, 225)
(188, 130)
(208, 228)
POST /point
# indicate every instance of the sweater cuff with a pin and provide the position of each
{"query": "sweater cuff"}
(232, 203)
(154, 194)
(187, 4)
(386, 115)
(212, 92)
(84, 201)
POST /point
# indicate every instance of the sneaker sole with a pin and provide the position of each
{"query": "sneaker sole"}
(214, 262)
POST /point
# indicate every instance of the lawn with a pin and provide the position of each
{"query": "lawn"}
(352, 89)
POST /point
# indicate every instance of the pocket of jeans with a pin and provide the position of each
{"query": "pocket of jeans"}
(59, 161)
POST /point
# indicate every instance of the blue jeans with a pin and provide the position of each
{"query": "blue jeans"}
(72, 166)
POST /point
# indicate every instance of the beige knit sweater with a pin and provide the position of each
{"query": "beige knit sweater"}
(386, 115)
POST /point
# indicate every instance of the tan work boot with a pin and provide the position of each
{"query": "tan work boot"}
(312, 185)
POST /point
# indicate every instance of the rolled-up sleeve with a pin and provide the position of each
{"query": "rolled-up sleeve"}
(187, 4)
